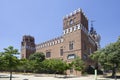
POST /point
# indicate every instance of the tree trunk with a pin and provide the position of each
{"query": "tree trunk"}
(10, 74)
(55, 74)
(113, 72)
(96, 66)
(76, 72)
(24, 71)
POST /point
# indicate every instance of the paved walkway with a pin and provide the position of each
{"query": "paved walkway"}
(5, 76)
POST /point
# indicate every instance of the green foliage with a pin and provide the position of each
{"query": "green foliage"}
(109, 57)
(9, 58)
(38, 56)
(78, 64)
(55, 65)
(2, 62)
(36, 61)
(24, 65)
(10, 61)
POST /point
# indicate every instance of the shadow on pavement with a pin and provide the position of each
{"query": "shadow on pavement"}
(65, 76)
(5, 76)
(118, 77)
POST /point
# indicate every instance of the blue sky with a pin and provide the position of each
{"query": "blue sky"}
(43, 19)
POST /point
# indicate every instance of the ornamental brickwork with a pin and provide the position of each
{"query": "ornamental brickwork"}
(76, 40)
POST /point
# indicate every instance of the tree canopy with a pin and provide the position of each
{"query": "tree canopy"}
(109, 57)
(55, 65)
(9, 59)
(78, 64)
(36, 60)
(39, 56)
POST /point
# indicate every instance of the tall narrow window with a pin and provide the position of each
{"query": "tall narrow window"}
(61, 52)
(48, 54)
(85, 56)
(71, 22)
(84, 46)
(71, 45)
(90, 51)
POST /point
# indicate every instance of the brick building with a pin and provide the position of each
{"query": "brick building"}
(76, 40)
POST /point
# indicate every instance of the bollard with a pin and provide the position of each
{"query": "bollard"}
(95, 74)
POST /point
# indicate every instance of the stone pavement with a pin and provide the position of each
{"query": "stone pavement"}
(5, 76)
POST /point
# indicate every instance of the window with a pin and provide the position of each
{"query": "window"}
(70, 45)
(71, 56)
(71, 22)
(84, 46)
(61, 52)
(90, 52)
(48, 54)
(84, 56)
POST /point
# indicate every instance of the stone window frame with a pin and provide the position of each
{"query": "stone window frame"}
(48, 54)
(61, 51)
(71, 56)
(71, 45)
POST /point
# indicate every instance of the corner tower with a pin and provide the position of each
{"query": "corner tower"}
(27, 46)
(76, 37)
(75, 29)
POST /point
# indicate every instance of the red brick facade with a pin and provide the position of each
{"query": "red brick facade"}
(76, 40)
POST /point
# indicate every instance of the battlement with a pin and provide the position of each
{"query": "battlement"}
(75, 18)
(50, 42)
(75, 12)
(28, 38)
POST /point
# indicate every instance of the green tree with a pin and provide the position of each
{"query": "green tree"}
(59, 66)
(99, 58)
(114, 55)
(78, 64)
(39, 56)
(10, 60)
(24, 65)
(109, 57)
(96, 55)
(2, 65)
(55, 66)
(36, 61)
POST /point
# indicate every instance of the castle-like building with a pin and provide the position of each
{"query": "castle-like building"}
(76, 40)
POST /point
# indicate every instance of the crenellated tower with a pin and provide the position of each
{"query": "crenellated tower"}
(76, 40)
(75, 29)
(75, 33)
(74, 18)
(27, 46)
